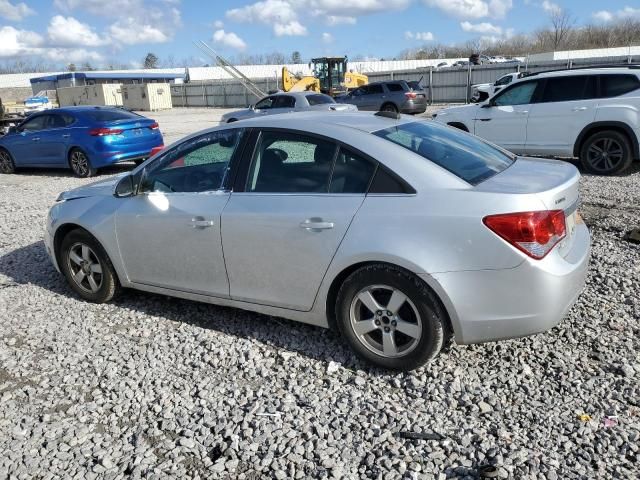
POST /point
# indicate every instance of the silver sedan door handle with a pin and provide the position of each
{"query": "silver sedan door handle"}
(316, 224)
(200, 223)
(579, 109)
(522, 112)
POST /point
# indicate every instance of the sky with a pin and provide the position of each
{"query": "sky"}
(103, 31)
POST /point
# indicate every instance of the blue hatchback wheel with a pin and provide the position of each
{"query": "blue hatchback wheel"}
(80, 164)
(6, 162)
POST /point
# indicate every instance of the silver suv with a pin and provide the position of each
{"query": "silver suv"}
(590, 113)
(391, 96)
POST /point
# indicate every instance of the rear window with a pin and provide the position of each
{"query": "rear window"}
(100, 115)
(319, 99)
(464, 155)
(614, 85)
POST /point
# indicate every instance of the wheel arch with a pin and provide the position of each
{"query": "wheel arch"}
(596, 127)
(339, 279)
(459, 125)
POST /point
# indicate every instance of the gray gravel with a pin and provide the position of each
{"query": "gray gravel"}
(155, 387)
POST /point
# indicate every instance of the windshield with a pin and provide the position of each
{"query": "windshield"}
(464, 155)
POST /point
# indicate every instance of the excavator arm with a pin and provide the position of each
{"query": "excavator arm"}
(290, 83)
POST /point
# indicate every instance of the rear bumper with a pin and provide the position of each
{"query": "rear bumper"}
(109, 154)
(411, 106)
(533, 297)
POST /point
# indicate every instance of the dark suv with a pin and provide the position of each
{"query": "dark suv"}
(390, 96)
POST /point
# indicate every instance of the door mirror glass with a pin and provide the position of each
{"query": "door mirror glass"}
(125, 187)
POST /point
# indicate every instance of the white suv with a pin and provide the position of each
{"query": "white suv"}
(593, 114)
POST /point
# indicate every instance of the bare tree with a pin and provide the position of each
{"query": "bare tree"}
(561, 26)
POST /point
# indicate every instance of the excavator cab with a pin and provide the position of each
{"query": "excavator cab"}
(330, 71)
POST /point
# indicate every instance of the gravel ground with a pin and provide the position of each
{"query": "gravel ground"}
(154, 387)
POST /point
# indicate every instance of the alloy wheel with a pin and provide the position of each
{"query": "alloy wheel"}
(79, 163)
(385, 321)
(85, 267)
(6, 164)
(605, 154)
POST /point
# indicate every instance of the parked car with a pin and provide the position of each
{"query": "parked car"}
(287, 103)
(390, 96)
(37, 103)
(461, 63)
(397, 232)
(482, 91)
(81, 138)
(585, 113)
(442, 65)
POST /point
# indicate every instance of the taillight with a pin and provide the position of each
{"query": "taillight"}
(155, 150)
(154, 126)
(101, 132)
(534, 233)
(410, 95)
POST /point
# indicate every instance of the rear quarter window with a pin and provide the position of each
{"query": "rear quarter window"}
(110, 115)
(319, 99)
(615, 85)
(469, 158)
(395, 87)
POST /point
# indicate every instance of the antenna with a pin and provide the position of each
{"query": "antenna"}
(230, 69)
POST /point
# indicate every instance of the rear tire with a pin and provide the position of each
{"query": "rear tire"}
(87, 267)
(390, 317)
(389, 107)
(7, 165)
(80, 164)
(606, 153)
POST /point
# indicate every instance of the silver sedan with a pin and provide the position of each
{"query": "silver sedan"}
(288, 103)
(400, 233)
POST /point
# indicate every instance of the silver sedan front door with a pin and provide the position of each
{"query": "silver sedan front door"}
(169, 234)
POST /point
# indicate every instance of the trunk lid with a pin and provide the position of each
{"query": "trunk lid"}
(134, 131)
(555, 183)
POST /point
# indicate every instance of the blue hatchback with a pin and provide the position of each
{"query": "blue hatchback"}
(81, 138)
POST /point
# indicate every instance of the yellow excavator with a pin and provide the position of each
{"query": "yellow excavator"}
(330, 76)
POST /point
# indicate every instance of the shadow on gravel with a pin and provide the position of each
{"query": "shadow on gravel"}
(31, 265)
(65, 172)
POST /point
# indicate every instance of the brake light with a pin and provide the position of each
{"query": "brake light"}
(410, 95)
(154, 126)
(534, 233)
(102, 132)
(155, 150)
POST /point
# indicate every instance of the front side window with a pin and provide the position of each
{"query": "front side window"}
(375, 89)
(35, 124)
(614, 85)
(284, 101)
(505, 80)
(286, 162)
(519, 94)
(265, 103)
(197, 165)
(464, 155)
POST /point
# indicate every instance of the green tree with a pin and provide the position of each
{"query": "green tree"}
(296, 57)
(151, 60)
(71, 67)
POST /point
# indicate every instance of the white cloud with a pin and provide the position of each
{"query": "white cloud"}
(607, 16)
(285, 17)
(229, 39)
(218, 24)
(327, 38)
(74, 55)
(67, 31)
(484, 27)
(14, 42)
(420, 36)
(550, 7)
(472, 8)
(14, 12)
(332, 20)
(130, 31)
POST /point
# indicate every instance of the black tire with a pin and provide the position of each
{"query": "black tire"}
(420, 314)
(389, 107)
(7, 165)
(80, 164)
(607, 152)
(106, 280)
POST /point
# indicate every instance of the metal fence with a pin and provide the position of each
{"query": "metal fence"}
(450, 85)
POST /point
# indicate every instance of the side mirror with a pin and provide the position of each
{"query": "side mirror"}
(252, 106)
(125, 187)
(488, 104)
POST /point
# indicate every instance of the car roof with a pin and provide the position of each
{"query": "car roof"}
(584, 71)
(82, 108)
(298, 94)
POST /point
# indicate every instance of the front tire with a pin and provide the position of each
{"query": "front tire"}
(7, 165)
(80, 164)
(389, 107)
(606, 153)
(390, 317)
(87, 267)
